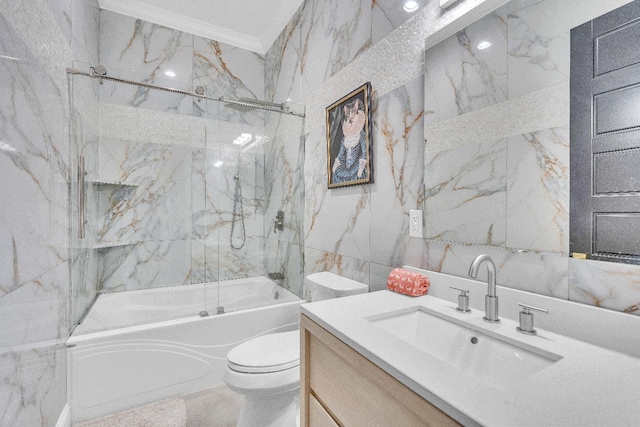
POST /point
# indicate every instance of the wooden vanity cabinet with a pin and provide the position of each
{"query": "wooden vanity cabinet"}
(340, 387)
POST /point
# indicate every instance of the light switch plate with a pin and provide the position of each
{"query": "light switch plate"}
(415, 223)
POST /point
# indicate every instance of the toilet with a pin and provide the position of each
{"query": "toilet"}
(266, 369)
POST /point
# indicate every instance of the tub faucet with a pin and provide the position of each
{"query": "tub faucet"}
(490, 300)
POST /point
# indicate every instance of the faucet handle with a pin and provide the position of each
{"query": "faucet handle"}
(463, 300)
(526, 319)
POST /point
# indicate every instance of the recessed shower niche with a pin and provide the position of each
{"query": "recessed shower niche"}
(112, 202)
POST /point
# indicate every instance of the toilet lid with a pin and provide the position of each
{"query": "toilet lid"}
(267, 353)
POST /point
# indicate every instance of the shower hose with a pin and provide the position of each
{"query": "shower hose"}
(238, 213)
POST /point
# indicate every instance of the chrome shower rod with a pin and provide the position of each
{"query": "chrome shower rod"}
(261, 105)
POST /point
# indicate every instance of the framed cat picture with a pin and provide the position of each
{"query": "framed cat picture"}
(349, 152)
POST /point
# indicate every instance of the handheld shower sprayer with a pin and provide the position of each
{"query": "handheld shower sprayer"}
(238, 210)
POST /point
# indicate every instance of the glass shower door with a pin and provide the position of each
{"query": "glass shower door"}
(141, 199)
(254, 175)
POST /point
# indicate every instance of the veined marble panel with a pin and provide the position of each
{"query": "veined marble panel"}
(338, 220)
(216, 173)
(37, 311)
(84, 280)
(200, 215)
(539, 39)
(538, 46)
(317, 260)
(247, 261)
(541, 273)
(32, 350)
(85, 32)
(141, 51)
(213, 216)
(284, 177)
(282, 64)
(466, 193)
(333, 34)
(62, 13)
(538, 191)
(145, 265)
(85, 107)
(395, 60)
(155, 203)
(460, 76)
(215, 259)
(397, 136)
(231, 73)
(33, 389)
(33, 163)
(386, 16)
(287, 259)
(378, 275)
(608, 285)
(12, 48)
(42, 36)
(204, 261)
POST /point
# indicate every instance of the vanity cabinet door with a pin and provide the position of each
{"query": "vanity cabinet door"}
(353, 390)
(318, 416)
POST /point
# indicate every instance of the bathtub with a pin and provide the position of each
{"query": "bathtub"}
(121, 357)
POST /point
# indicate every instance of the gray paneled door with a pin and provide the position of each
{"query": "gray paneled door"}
(605, 136)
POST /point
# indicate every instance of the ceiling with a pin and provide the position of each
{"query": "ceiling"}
(249, 24)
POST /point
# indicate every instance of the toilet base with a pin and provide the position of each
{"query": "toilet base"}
(280, 410)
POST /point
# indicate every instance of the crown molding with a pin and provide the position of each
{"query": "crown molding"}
(156, 15)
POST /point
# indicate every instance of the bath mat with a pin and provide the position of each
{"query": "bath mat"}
(166, 413)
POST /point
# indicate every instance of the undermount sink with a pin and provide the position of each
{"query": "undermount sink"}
(492, 359)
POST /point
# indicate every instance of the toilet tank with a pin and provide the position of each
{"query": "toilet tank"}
(327, 285)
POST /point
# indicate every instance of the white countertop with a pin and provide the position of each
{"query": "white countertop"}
(590, 385)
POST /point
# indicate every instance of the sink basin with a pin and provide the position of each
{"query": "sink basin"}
(497, 361)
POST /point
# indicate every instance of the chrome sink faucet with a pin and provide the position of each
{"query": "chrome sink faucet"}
(490, 300)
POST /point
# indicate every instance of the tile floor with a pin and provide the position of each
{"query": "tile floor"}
(214, 407)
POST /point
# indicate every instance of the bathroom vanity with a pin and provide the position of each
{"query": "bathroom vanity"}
(383, 358)
(342, 387)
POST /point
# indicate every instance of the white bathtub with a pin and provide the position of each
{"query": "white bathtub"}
(117, 368)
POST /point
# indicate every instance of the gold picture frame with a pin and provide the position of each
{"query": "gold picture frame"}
(349, 151)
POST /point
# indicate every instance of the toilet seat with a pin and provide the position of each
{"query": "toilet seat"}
(265, 354)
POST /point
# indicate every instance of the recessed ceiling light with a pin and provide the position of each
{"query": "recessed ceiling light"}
(410, 6)
(169, 73)
(6, 147)
(243, 139)
(483, 45)
(218, 163)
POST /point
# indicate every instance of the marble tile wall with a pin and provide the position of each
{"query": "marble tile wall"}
(485, 156)
(143, 51)
(327, 49)
(38, 41)
(284, 191)
(514, 196)
(165, 187)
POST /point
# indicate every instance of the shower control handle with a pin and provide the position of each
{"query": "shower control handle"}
(279, 223)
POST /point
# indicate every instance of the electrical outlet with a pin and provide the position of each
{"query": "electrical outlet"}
(415, 223)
